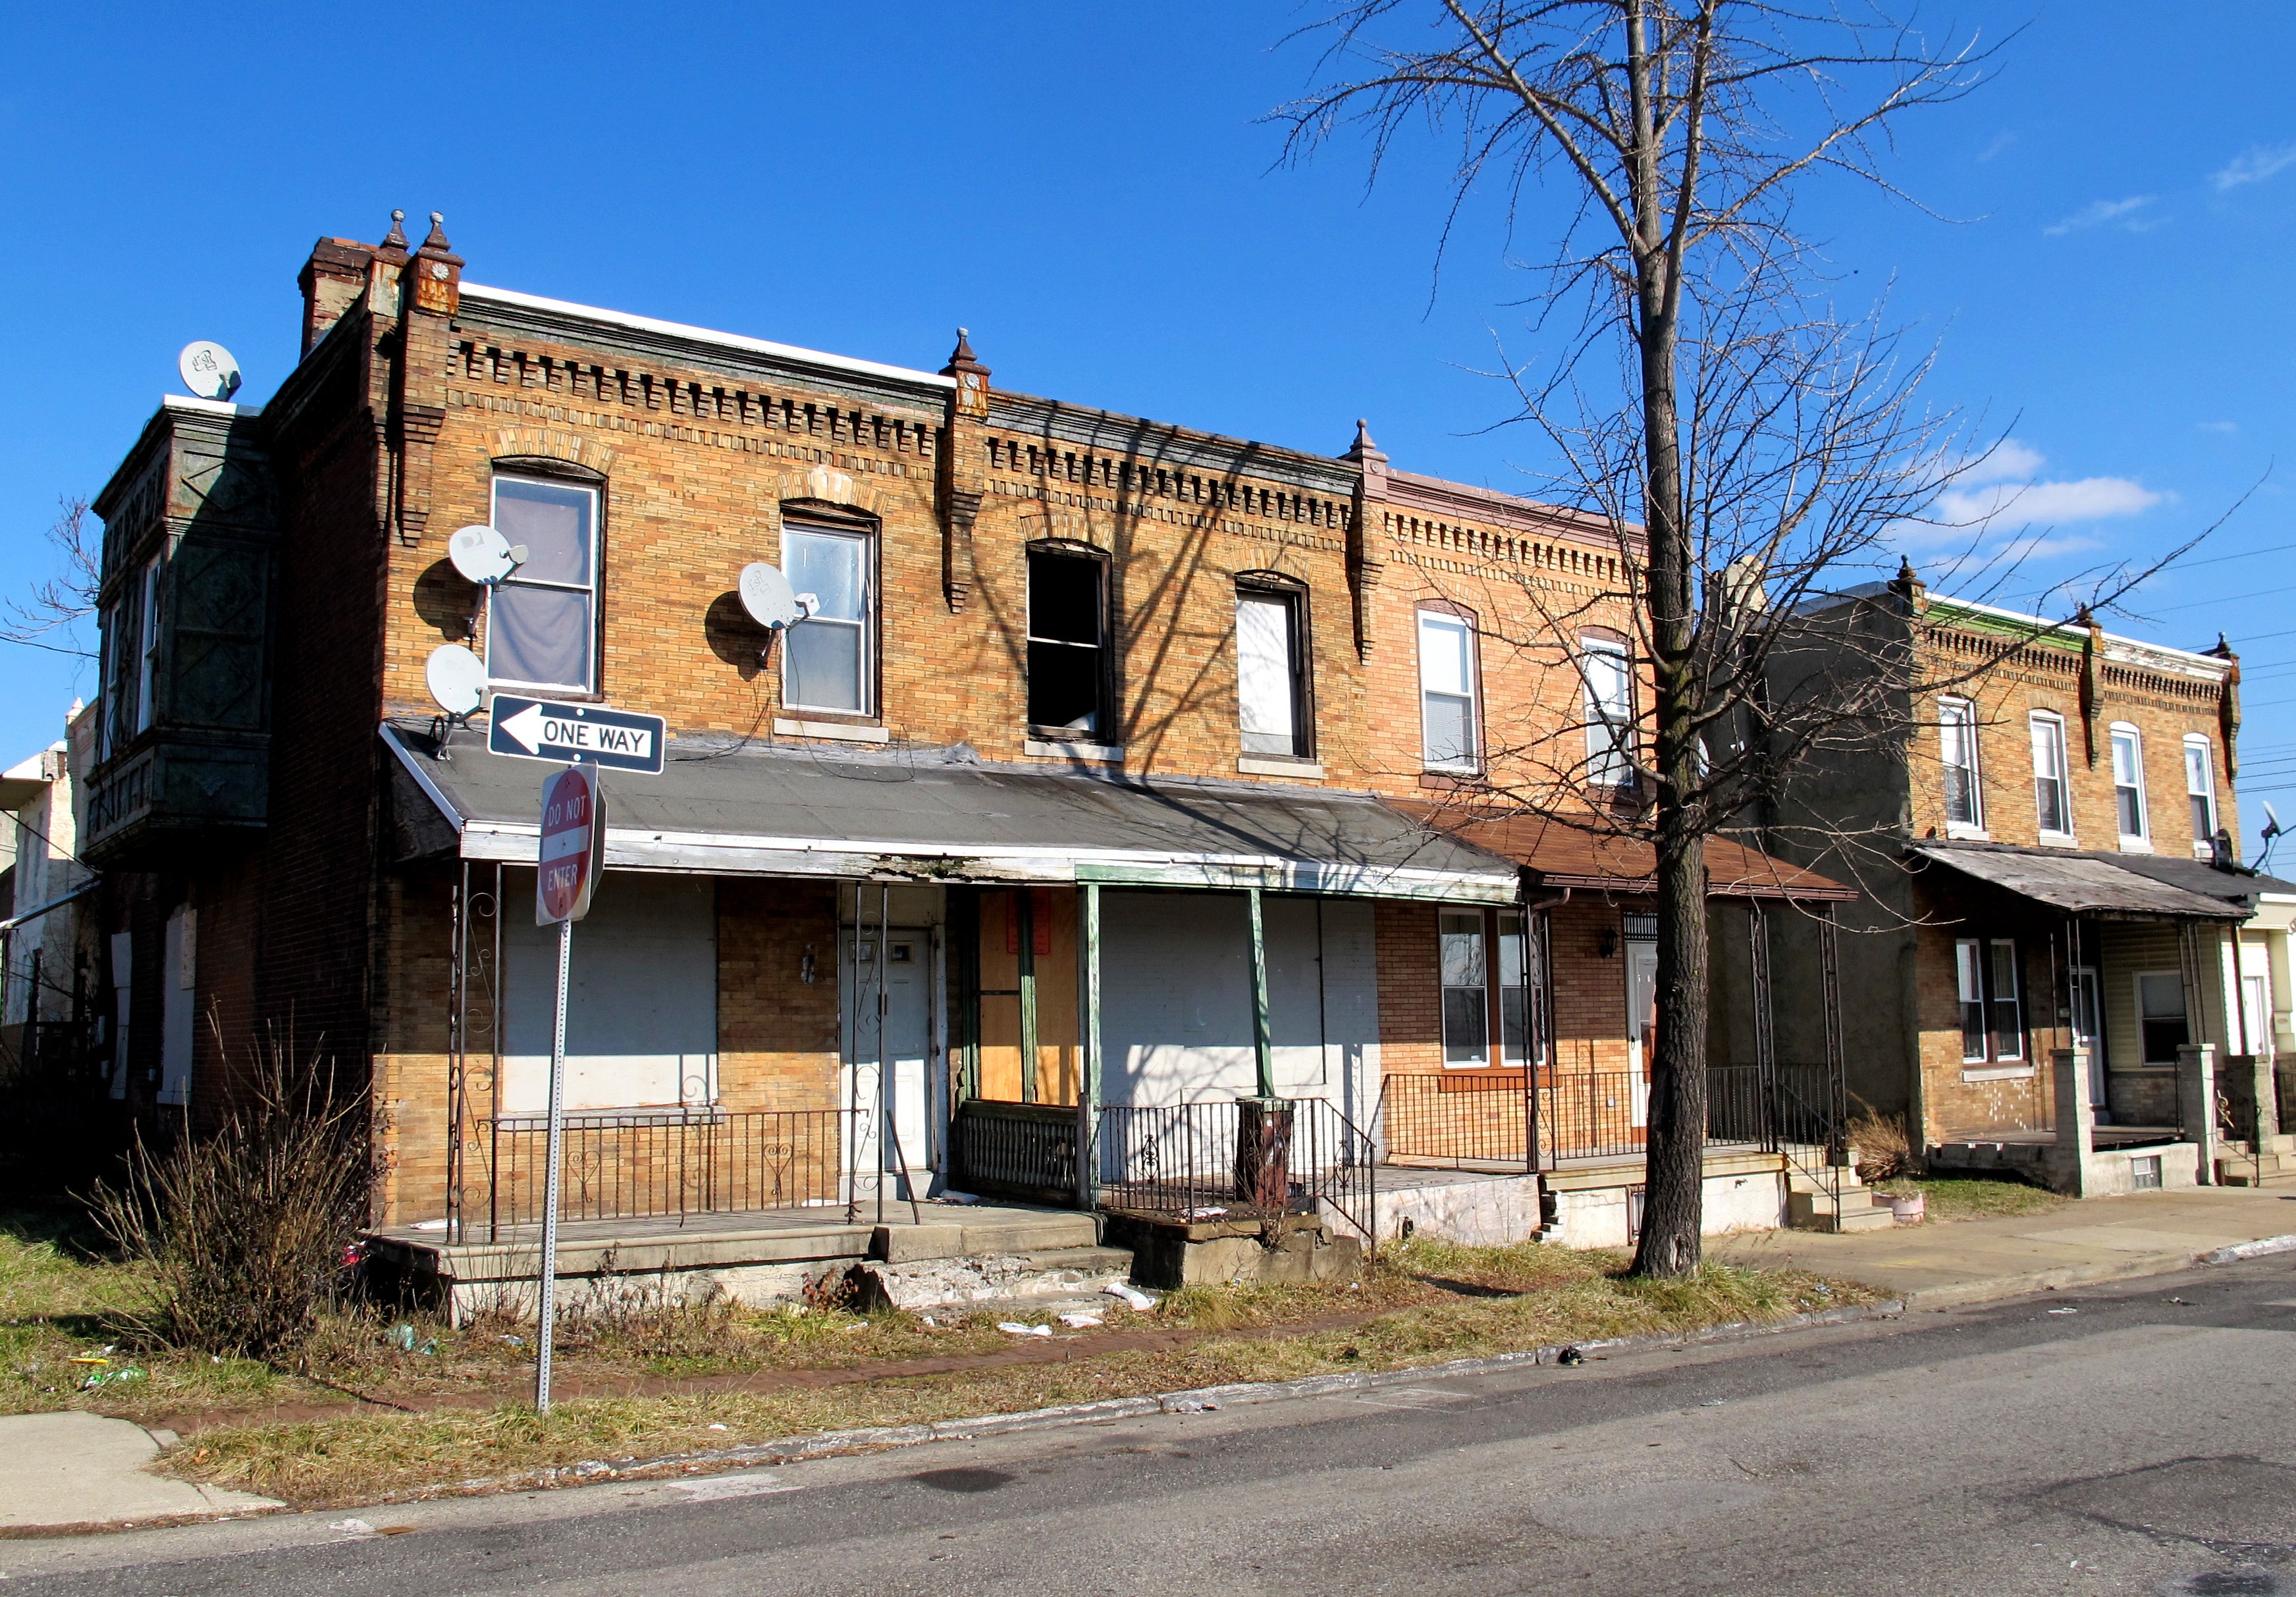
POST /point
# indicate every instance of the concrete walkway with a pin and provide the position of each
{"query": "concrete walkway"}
(1965, 1261)
(58, 1471)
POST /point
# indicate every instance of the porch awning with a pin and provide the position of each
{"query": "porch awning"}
(2080, 883)
(941, 815)
(1557, 855)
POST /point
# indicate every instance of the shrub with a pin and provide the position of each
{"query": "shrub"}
(242, 1229)
(1882, 1150)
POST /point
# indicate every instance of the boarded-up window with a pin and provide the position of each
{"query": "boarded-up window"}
(642, 1013)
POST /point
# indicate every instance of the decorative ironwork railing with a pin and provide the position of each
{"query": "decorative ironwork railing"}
(1235, 1160)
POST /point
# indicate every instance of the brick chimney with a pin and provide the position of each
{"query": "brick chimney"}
(332, 282)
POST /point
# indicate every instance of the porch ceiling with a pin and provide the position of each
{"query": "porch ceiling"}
(2105, 885)
(1561, 855)
(937, 815)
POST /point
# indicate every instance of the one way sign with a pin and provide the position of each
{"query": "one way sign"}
(564, 734)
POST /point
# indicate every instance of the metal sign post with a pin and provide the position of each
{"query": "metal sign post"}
(566, 875)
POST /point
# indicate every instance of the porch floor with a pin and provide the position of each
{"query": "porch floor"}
(1404, 1171)
(2107, 1136)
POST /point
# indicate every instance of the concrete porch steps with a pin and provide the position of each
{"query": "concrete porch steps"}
(1021, 1279)
(1810, 1208)
(2236, 1166)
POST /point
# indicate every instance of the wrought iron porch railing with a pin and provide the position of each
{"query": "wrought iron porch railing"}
(657, 1165)
(1197, 1160)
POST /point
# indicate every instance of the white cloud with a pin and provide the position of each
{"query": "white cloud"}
(2254, 165)
(2007, 461)
(2001, 141)
(2008, 506)
(2128, 214)
(2219, 427)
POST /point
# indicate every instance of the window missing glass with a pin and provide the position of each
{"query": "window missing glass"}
(1957, 757)
(1448, 691)
(542, 621)
(1609, 707)
(1068, 635)
(1271, 671)
(2049, 804)
(1991, 1003)
(2201, 787)
(826, 659)
(2129, 783)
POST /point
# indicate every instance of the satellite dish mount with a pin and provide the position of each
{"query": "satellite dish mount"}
(457, 681)
(485, 559)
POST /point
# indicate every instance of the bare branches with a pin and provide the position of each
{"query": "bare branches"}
(54, 603)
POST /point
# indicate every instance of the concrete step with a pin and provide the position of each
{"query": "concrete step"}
(1816, 1211)
(950, 1232)
(1003, 1278)
(2256, 1170)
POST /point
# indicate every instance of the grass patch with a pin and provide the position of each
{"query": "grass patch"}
(1426, 1302)
(1976, 1197)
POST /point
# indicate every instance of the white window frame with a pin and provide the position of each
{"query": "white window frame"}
(865, 627)
(595, 587)
(1961, 715)
(1297, 741)
(2047, 721)
(1483, 1041)
(2139, 841)
(2205, 793)
(1448, 621)
(1610, 727)
(1985, 957)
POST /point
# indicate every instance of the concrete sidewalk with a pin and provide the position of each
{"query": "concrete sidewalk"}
(1965, 1261)
(64, 1469)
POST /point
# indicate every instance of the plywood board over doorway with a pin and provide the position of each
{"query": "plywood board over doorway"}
(1051, 917)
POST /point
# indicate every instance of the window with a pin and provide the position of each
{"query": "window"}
(147, 646)
(2201, 787)
(1992, 1009)
(1609, 713)
(1068, 654)
(1472, 943)
(2049, 805)
(1447, 690)
(1957, 755)
(825, 658)
(542, 621)
(1271, 672)
(2160, 1015)
(1466, 990)
(2129, 783)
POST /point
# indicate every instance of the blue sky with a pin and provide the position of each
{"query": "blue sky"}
(1088, 188)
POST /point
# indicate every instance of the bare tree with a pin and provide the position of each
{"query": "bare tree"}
(54, 604)
(1747, 449)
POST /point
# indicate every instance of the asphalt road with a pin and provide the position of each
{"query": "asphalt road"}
(2137, 1444)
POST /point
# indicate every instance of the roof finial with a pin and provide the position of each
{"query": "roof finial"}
(437, 241)
(961, 360)
(397, 238)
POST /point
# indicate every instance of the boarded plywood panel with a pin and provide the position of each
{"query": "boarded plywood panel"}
(641, 1014)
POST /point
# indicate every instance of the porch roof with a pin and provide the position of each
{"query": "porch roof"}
(2110, 887)
(1557, 854)
(931, 815)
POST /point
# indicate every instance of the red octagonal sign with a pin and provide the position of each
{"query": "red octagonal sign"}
(569, 813)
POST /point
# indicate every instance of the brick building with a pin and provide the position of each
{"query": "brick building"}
(1117, 768)
(2046, 858)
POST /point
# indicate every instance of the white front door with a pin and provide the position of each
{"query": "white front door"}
(2089, 1008)
(888, 1084)
(1642, 1023)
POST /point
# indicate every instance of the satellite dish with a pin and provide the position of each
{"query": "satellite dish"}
(2272, 817)
(207, 370)
(484, 555)
(766, 596)
(1742, 585)
(457, 679)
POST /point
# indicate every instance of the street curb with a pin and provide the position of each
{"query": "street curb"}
(880, 1437)
(2260, 1248)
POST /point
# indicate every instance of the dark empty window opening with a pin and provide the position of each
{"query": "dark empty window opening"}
(1068, 654)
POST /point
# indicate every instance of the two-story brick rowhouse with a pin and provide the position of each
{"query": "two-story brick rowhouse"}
(1097, 772)
(2048, 861)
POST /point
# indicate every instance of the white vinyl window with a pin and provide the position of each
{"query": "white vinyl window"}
(542, 621)
(1447, 692)
(1609, 713)
(1992, 1009)
(2201, 787)
(1268, 676)
(1964, 801)
(2128, 784)
(825, 657)
(2051, 806)
(147, 642)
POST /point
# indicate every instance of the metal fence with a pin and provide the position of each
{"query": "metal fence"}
(1198, 1161)
(656, 1166)
(1017, 1149)
(1459, 1121)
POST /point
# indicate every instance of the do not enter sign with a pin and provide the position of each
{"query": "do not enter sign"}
(573, 830)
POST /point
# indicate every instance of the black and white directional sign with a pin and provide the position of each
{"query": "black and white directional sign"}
(564, 734)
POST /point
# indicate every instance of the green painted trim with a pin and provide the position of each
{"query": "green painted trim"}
(1088, 1052)
(1024, 912)
(1263, 1053)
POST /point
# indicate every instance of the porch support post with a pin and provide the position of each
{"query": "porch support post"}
(1088, 1046)
(2196, 1104)
(1024, 911)
(1263, 1056)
